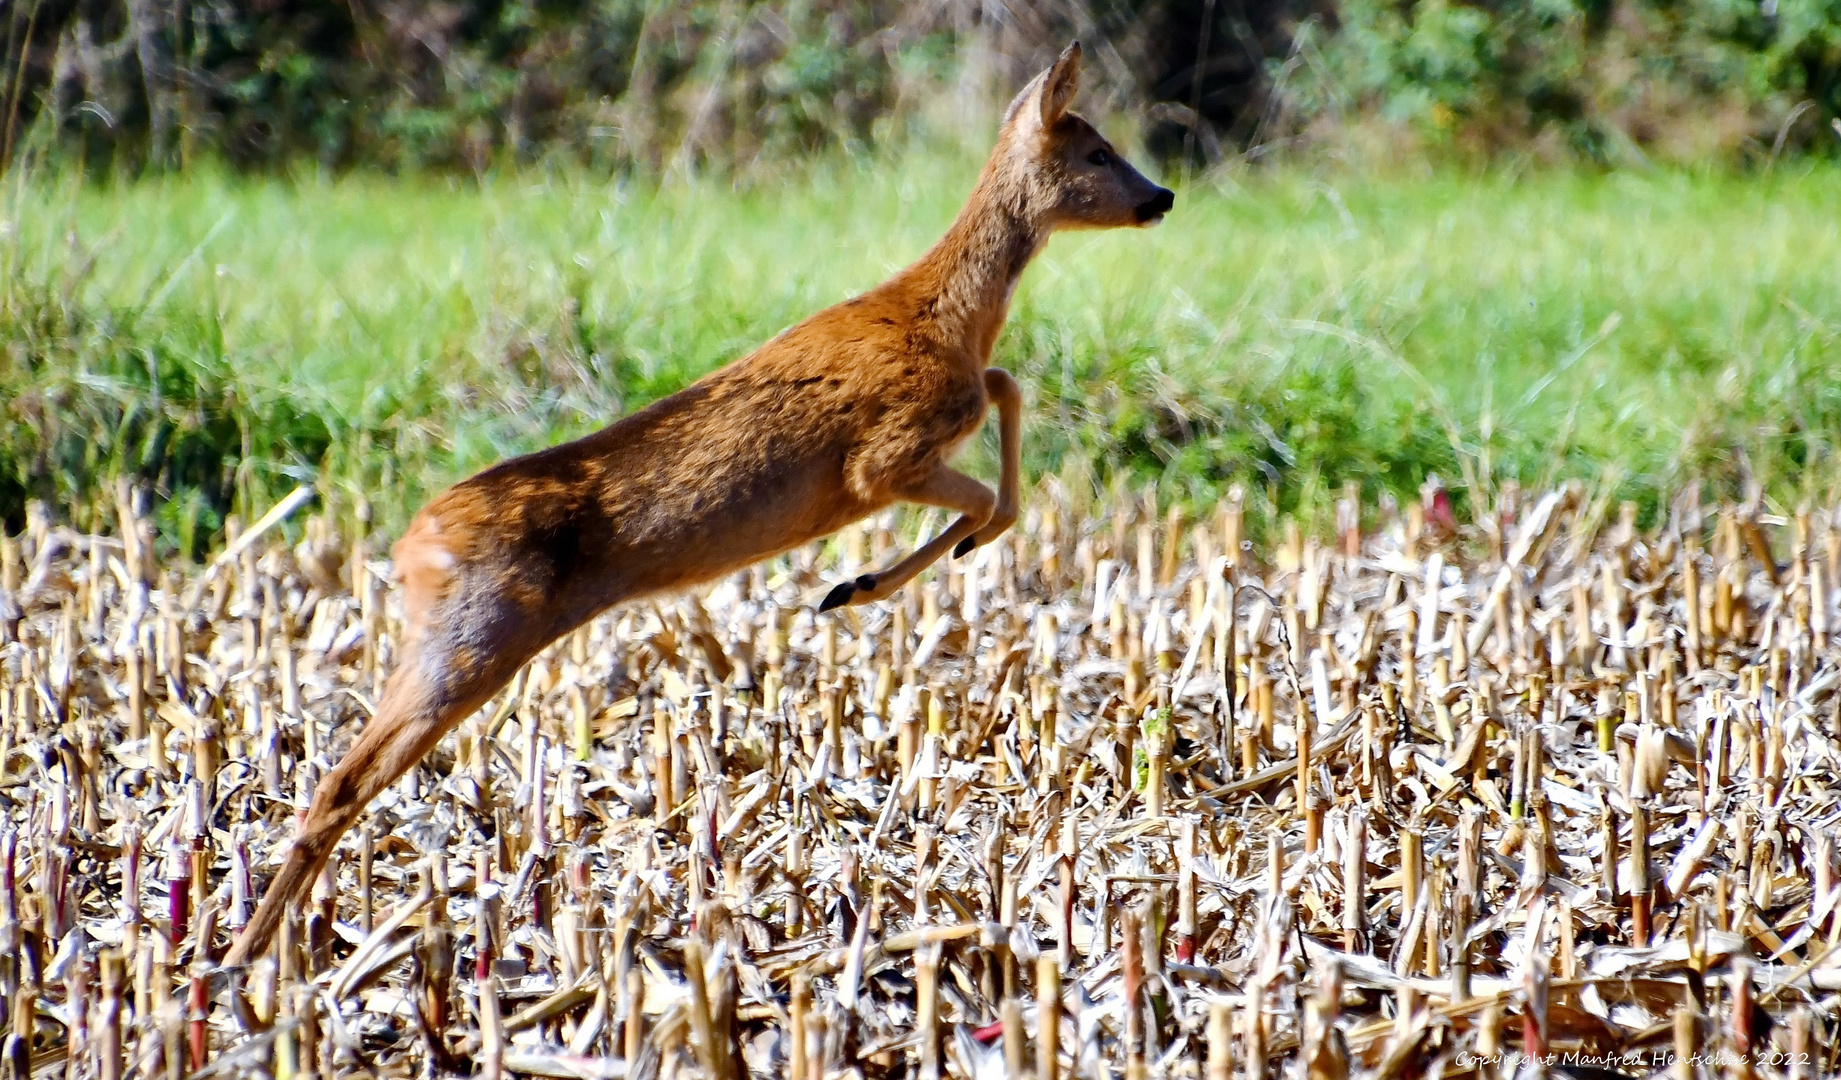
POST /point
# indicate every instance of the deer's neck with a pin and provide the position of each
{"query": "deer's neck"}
(967, 280)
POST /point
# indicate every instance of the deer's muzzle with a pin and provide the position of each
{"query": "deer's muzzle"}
(1154, 208)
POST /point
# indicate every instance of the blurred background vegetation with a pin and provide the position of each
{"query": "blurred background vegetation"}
(647, 85)
(376, 245)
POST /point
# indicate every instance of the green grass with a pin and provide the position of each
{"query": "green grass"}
(1288, 332)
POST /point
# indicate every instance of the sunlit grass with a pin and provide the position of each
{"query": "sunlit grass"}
(1287, 332)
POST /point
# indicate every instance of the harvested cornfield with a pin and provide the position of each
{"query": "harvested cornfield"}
(1120, 793)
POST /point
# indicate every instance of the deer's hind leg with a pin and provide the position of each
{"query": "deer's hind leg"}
(416, 711)
(944, 487)
(463, 646)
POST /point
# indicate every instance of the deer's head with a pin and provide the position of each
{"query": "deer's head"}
(1071, 177)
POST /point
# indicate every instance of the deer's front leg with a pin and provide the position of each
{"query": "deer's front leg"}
(947, 488)
(1002, 390)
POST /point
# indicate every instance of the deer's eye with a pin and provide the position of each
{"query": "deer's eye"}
(1100, 157)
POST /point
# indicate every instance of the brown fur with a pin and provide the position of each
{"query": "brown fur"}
(856, 408)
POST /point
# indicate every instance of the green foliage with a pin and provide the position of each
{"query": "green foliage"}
(1682, 79)
(1805, 53)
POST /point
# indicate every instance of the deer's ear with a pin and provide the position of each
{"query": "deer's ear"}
(1047, 96)
(1059, 85)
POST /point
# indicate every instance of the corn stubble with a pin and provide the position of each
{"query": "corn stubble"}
(1121, 794)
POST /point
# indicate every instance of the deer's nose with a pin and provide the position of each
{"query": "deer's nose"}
(1156, 206)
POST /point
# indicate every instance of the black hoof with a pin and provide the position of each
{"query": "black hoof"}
(841, 595)
(965, 546)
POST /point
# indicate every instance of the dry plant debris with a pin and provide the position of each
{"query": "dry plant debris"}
(1122, 793)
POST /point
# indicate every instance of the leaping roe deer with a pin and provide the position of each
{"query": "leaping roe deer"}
(856, 408)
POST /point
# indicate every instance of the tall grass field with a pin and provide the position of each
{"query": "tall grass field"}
(222, 339)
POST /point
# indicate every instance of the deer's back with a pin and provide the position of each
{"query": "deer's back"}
(753, 460)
